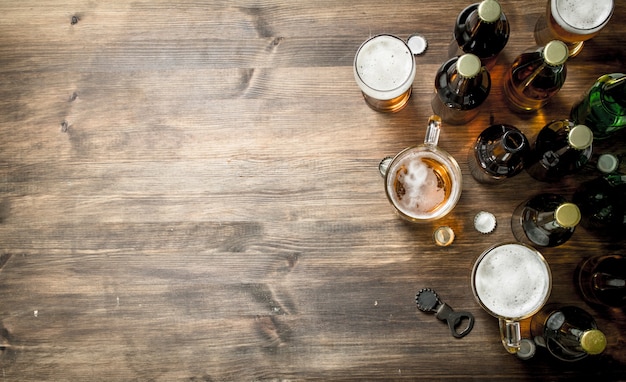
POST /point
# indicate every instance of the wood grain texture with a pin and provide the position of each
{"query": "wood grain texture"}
(189, 191)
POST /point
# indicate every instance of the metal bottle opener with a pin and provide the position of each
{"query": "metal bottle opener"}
(428, 301)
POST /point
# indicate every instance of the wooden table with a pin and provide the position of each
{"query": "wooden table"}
(189, 191)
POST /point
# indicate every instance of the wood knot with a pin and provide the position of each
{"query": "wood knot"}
(74, 20)
(65, 126)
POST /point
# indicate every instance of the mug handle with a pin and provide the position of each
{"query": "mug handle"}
(511, 335)
(433, 130)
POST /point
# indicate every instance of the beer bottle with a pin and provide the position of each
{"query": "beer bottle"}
(561, 148)
(567, 332)
(481, 29)
(545, 220)
(601, 280)
(535, 76)
(497, 153)
(603, 107)
(462, 84)
(602, 203)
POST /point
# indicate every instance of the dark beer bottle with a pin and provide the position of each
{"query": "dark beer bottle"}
(601, 280)
(603, 107)
(497, 153)
(602, 203)
(561, 148)
(481, 29)
(462, 84)
(545, 220)
(535, 76)
(568, 332)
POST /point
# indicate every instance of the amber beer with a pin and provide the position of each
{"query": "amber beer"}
(384, 69)
(573, 22)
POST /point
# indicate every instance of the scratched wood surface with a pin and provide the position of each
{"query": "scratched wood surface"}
(189, 191)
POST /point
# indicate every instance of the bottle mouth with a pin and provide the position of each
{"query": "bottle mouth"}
(513, 141)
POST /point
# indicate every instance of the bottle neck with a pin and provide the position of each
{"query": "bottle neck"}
(511, 143)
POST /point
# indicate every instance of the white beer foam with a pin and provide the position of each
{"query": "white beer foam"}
(581, 16)
(384, 67)
(512, 281)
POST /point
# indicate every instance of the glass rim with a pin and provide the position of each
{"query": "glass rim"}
(407, 79)
(449, 162)
(584, 31)
(531, 249)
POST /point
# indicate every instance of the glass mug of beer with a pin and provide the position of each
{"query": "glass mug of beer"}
(422, 182)
(573, 22)
(511, 281)
(384, 69)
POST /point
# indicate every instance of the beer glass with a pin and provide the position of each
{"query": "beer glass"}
(573, 22)
(384, 69)
(422, 182)
(511, 281)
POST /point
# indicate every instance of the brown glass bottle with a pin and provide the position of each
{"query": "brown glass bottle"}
(497, 153)
(481, 29)
(535, 76)
(560, 149)
(545, 220)
(601, 280)
(462, 84)
(568, 332)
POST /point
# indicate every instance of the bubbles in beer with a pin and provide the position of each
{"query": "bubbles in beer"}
(421, 184)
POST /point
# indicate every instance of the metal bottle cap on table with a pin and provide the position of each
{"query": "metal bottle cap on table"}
(484, 222)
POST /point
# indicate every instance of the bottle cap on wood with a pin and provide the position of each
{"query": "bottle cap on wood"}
(468, 65)
(417, 43)
(489, 11)
(484, 222)
(527, 349)
(555, 53)
(567, 215)
(443, 236)
(580, 137)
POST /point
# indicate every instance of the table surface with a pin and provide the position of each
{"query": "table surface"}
(189, 191)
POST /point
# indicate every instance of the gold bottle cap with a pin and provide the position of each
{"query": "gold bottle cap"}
(580, 137)
(468, 65)
(567, 215)
(489, 11)
(593, 341)
(555, 53)
(443, 236)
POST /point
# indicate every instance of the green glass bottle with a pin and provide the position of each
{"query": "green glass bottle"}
(603, 107)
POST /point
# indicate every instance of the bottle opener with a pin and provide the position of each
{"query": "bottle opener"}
(428, 301)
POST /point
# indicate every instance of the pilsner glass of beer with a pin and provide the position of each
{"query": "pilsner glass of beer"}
(511, 281)
(573, 22)
(384, 69)
(422, 182)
